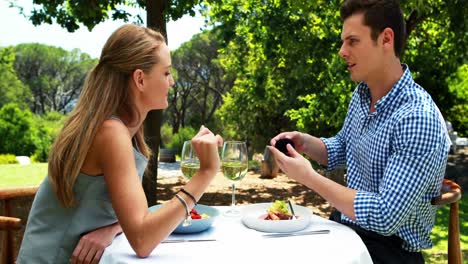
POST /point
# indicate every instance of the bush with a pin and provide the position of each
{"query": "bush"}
(48, 127)
(26, 134)
(17, 131)
(166, 135)
(458, 114)
(177, 140)
(255, 165)
(8, 159)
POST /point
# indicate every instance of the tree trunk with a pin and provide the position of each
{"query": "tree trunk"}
(155, 16)
(155, 19)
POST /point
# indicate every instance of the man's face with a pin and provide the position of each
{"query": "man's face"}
(362, 54)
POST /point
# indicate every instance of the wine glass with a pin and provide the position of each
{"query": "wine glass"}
(234, 164)
(189, 163)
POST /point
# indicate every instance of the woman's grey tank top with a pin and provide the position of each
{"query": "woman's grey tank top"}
(52, 231)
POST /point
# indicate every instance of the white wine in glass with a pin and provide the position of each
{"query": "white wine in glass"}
(234, 164)
(234, 170)
(189, 164)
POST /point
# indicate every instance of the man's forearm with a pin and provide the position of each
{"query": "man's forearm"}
(316, 149)
(339, 196)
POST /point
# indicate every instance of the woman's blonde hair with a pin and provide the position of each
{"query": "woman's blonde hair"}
(105, 93)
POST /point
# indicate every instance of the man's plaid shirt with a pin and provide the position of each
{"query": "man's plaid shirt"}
(395, 158)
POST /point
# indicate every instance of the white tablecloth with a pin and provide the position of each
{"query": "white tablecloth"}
(238, 244)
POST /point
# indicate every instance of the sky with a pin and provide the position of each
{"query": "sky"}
(16, 29)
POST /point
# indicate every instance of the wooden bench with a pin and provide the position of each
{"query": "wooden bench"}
(8, 222)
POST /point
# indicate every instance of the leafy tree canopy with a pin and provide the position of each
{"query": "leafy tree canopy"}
(69, 14)
(12, 90)
(285, 56)
(54, 76)
(200, 82)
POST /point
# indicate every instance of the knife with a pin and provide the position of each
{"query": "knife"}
(313, 232)
(186, 240)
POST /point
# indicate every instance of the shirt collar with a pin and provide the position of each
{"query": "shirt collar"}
(388, 99)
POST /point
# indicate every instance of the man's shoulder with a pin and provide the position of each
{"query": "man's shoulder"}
(412, 89)
(421, 101)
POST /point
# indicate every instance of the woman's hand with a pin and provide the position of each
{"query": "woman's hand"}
(295, 165)
(92, 245)
(205, 144)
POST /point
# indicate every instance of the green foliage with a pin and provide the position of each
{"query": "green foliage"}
(284, 55)
(26, 134)
(12, 90)
(325, 119)
(166, 134)
(434, 53)
(200, 82)
(48, 127)
(69, 14)
(17, 131)
(458, 87)
(54, 76)
(8, 159)
(280, 53)
(255, 165)
(177, 140)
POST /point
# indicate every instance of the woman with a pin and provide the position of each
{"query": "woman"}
(93, 190)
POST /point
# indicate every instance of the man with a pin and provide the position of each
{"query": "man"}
(394, 141)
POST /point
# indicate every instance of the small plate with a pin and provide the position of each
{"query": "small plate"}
(198, 225)
(251, 217)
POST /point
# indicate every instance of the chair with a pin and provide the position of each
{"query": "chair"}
(450, 194)
(8, 222)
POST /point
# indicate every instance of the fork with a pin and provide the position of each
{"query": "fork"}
(292, 210)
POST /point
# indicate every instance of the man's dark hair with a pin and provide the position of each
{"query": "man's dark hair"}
(378, 15)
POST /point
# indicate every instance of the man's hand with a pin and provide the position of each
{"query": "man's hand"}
(305, 144)
(295, 166)
(92, 245)
(295, 136)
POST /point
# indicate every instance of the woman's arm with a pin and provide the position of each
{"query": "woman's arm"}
(146, 230)
(92, 245)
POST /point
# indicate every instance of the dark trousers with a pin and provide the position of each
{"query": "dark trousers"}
(383, 249)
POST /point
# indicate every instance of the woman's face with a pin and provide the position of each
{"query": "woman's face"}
(158, 81)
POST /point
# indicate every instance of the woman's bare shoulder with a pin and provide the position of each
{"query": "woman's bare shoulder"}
(112, 141)
(113, 137)
(112, 130)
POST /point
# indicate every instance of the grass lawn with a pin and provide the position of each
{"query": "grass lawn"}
(27, 175)
(12, 175)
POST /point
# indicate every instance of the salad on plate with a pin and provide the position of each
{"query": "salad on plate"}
(278, 211)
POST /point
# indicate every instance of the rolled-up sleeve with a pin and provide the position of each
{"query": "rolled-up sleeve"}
(336, 150)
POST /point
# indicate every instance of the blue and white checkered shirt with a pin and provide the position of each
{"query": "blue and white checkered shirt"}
(395, 158)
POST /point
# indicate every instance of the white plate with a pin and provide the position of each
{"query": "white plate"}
(251, 218)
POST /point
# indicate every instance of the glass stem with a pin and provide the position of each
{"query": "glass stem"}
(233, 204)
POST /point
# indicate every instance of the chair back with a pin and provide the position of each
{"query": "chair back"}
(8, 222)
(450, 194)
